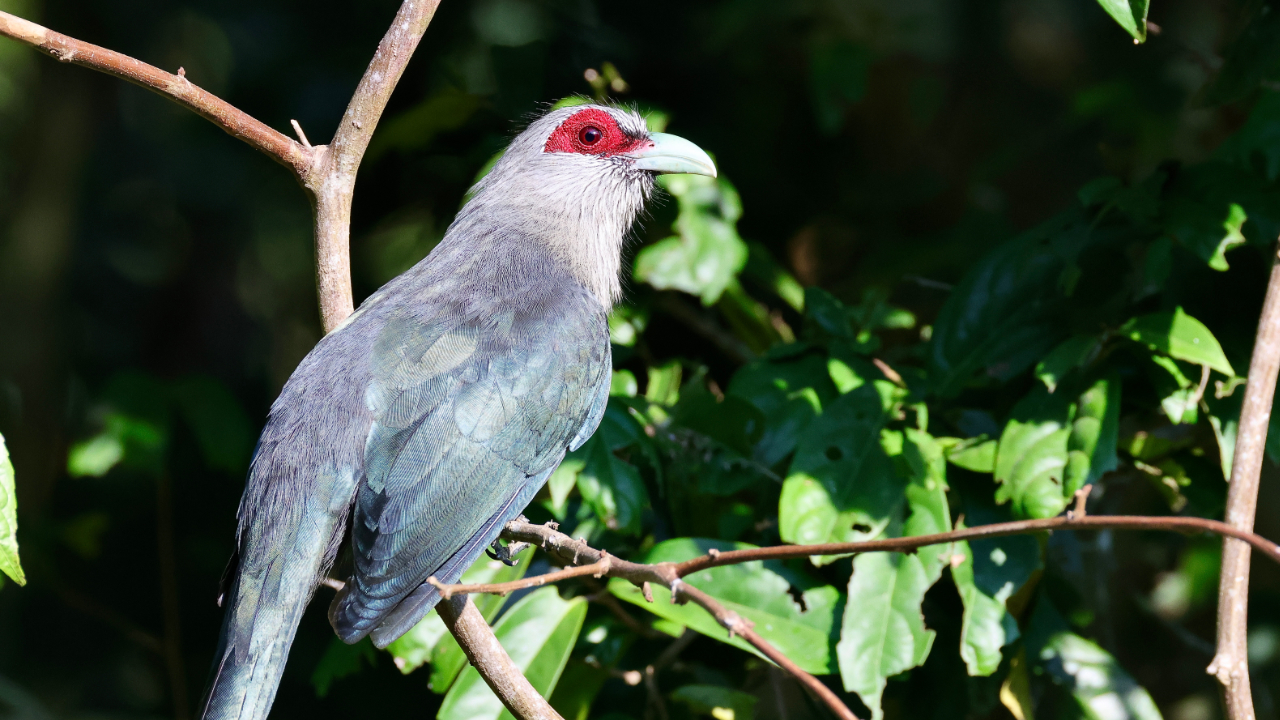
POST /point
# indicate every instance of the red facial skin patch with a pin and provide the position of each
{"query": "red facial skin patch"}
(591, 132)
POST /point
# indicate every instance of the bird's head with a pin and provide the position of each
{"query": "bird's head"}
(575, 180)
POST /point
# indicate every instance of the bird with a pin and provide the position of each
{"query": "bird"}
(434, 413)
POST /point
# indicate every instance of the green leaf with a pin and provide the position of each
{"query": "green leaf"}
(1180, 336)
(538, 633)
(341, 660)
(992, 570)
(927, 498)
(1095, 435)
(720, 703)
(1100, 687)
(838, 72)
(759, 592)
(706, 254)
(1031, 459)
(842, 486)
(222, 429)
(1067, 356)
(1002, 316)
(429, 640)
(562, 481)
(790, 392)
(975, 454)
(610, 485)
(9, 563)
(883, 632)
(1130, 14)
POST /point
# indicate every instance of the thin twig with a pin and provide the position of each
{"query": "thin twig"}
(178, 88)
(1231, 662)
(595, 569)
(487, 655)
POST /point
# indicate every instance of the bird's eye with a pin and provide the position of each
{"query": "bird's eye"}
(590, 135)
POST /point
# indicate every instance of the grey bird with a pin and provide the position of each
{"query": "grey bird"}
(435, 413)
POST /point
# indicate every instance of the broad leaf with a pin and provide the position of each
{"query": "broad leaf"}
(707, 254)
(990, 573)
(976, 454)
(759, 592)
(1180, 336)
(883, 631)
(718, 702)
(609, 484)
(790, 392)
(538, 633)
(1031, 460)
(9, 563)
(1067, 356)
(1101, 688)
(423, 642)
(927, 498)
(1095, 435)
(842, 486)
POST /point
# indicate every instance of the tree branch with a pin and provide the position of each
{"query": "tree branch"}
(1230, 664)
(486, 654)
(175, 87)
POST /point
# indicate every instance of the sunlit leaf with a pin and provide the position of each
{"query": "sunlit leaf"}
(538, 633)
(883, 632)
(1095, 435)
(1180, 336)
(1031, 459)
(1067, 356)
(1101, 688)
(976, 454)
(991, 571)
(790, 392)
(9, 563)
(1130, 14)
(707, 254)
(721, 703)
(757, 591)
(841, 486)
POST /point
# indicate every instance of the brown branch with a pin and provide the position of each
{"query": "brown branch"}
(1230, 664)
(175, 87)
(487, 655)
(595, 569)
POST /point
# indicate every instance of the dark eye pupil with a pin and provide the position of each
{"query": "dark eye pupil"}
(590, 135)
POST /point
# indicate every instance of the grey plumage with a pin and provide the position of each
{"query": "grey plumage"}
(436, 411)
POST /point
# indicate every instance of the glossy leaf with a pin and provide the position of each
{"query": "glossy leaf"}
(1095, 435)
(706, 254)
(610, 485)
(538, 633)
(1067, 356)
(991, 571)
(841, 487)
(1101, 688)
(757, 591)
(1130, 14)
(1180, 336)
(1031, 459)
(9, 563)
(429, 640)
(883, 632)
(790, 392)
(976, 454)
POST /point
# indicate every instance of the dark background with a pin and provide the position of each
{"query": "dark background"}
(145, 255)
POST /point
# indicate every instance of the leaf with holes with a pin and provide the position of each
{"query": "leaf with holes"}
(9, 563)
(538, 633)
(842, 486)
(883, 632)
(758, 591)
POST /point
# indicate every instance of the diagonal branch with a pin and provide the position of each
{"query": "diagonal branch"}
(1231, 662)
(175, 87)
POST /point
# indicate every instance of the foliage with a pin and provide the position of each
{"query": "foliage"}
(960, 263)
(9, 520)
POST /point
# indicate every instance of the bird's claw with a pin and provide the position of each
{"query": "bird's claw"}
(505, 554)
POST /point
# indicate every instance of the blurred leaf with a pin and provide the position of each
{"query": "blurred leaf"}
(1015, 691)
(341, 660)
(838, 73)
(429, 640)
(720, 703)
(9, 563)
(1031, 459)
(577, 690)
(732, 421)
(999, 319)
(1100, 687)
(841, 486)
(790, 392)
(83, 533)
(707, 254)
(1095, 435)
(1130, 14)
(1180, 336)
(1206, 207)
(538, 633)
(976, 454)
(757, 591)
(883, 632)
(1251, 59)
(1224, 418)
(664, 383)
(94, 457)
(415, 128)
(221, 427)
(763, 269)
(1067, 356)
(562, 482)
(1256, 145)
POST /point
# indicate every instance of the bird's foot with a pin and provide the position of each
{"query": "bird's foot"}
(505, 554)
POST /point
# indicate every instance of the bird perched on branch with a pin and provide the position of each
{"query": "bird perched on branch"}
(436, 412)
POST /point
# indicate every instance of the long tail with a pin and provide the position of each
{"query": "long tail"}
(284, 549)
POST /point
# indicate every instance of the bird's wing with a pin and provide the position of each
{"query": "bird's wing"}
(472, 411)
